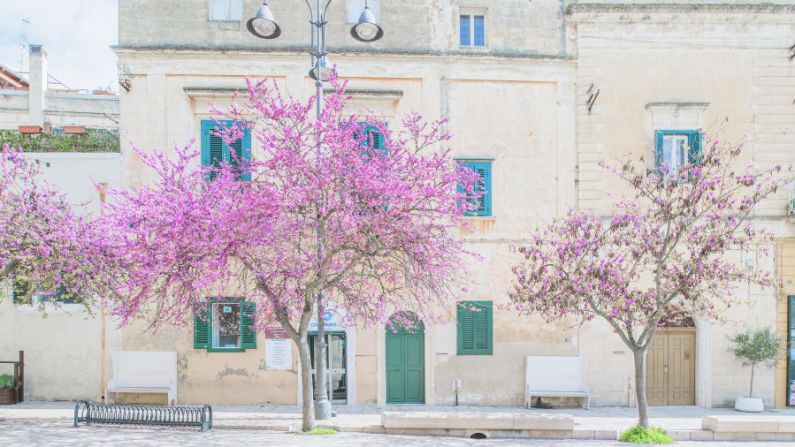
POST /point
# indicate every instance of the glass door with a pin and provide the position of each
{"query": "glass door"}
(337, 366)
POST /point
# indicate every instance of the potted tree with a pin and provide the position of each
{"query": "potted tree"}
(754, 348)
(8, 390)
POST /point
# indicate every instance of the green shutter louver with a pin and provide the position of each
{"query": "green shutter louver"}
(201, 327)
(475, 327)
(248, 336)
(694, 143)
(483, 185)
(214, 150)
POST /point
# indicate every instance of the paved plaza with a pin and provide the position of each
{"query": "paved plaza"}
(50, 424)
(44, 432)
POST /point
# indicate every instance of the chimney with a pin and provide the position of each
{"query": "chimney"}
(37, 93)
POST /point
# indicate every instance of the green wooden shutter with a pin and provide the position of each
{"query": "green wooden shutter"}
(374, 138)
(694, 141)
(214, 150)
(201, 328)
(248, 337)
(483, 203)
(658, 149)
(212, 144)
(475, 328)
(245, 152)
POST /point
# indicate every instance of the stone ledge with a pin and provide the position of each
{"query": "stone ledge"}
(477, 421)
(748, 424)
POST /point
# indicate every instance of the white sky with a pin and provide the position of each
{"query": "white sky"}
(77, 34)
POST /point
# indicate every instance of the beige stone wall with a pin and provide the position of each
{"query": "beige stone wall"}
(654, 71)
(524, 131)
(523, 108)
(410, 26)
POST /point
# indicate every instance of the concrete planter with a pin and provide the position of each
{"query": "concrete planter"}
(8, 396)
(749, 405)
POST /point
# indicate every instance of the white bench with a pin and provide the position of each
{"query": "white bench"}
(555, 376)
(144, 372)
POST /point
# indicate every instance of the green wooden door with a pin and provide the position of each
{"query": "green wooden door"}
(405, 366)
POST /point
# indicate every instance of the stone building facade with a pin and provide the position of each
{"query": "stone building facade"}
(539, 92)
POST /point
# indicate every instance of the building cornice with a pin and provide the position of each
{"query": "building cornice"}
(709, 8)
(337, 51)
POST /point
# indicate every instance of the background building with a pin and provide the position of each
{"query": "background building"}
(73, 135)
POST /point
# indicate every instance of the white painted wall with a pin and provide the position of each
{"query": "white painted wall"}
(62, 349)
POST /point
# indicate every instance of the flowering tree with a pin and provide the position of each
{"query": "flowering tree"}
(44, 246)
(326, 209)
(661, 256)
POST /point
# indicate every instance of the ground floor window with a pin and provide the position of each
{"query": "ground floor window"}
(224, 324)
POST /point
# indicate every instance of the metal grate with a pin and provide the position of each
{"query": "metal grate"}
(174, 416)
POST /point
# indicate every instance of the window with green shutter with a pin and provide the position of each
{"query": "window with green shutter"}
(214, 150)
(475, 327)
(225, 325)
(483, 186)
(675, 148)
(374, 138)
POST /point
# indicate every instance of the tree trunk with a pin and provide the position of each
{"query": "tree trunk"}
(307, 404)
(640, 386)
(753, 366)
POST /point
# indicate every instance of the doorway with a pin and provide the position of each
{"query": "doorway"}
(671, 367)
(336, 371)
(405, 363)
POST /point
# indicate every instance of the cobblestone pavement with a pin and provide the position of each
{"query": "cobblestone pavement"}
(25, 432)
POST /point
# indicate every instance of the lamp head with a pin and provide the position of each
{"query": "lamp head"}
(366, 29)
(263, 25)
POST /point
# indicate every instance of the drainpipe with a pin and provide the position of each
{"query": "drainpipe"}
(103, 320)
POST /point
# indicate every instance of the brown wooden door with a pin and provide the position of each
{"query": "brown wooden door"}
(671, 367)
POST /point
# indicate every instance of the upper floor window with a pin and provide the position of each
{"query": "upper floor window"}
(472, 30)
(676, 148)
(215, 150)
(483, 187)
(226, 10)
(374, 139)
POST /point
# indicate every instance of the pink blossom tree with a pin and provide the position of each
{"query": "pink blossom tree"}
(45, 247)
(384, 214)
(662, 255)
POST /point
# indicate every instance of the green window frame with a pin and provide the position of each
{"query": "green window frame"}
(214, 150)
(475, 327)
(483, 169)
(203, 325)
(693, 142)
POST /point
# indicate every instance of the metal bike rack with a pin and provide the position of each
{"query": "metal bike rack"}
(174, 416)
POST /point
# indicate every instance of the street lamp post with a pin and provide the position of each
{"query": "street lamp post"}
(263, 25)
